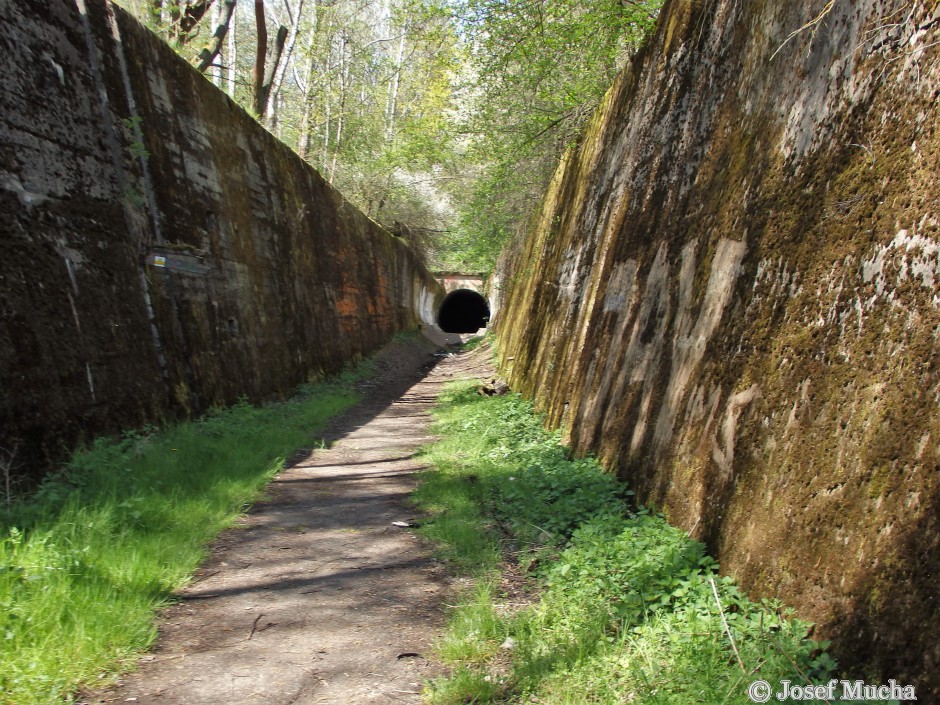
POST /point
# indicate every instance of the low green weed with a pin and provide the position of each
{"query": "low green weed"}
(477, 341)
(86, 560)
(629, 608)
(476, 629)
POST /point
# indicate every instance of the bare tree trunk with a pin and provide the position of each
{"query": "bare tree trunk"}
(271, 114)
(277, 127)
(392, 106)
(273, 61)
(171, 12)
(190, 15)
(155, 13)
(261, 52)
(325, 151)
(303, 141)
(328, 95)
(266, 61)
(216, 71)
(282, 66)
(344, 77)
(209, 53)
(231, 55)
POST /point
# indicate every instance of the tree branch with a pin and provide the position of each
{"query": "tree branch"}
(277, 52)
(261, 52)
(207, 55)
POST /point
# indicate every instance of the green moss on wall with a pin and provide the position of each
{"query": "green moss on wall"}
(798, 435)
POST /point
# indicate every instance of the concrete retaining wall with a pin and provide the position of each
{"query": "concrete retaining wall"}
(161, 252)
(732, 295)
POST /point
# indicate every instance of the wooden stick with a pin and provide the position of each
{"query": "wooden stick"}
(727, 628)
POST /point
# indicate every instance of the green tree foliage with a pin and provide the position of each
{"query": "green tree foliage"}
(447, 116)
(366, 101)
(539, 67)
(536, 71)
(178, 21)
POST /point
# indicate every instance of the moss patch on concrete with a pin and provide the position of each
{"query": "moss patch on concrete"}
(798, 436)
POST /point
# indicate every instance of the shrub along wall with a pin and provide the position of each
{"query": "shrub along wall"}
(732, 295)
(163, 253)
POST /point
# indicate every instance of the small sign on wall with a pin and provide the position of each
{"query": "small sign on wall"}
(177, 262)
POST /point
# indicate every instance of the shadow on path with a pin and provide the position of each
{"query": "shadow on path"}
(316, 596)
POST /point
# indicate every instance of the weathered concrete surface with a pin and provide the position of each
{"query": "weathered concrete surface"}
(732, 295)
(116, 157)
(452, 281)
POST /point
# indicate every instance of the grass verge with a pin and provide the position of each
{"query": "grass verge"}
(623, 607)
(88, 559)
(487, 338)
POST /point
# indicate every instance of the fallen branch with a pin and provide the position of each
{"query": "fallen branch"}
(812, 23)
(254, 627)
(727, 628)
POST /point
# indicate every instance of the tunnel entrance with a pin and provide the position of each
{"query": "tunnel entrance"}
(463, 311)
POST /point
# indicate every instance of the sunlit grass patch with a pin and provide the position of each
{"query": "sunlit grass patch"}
(628, 609)
(476, 629)
(86, 561)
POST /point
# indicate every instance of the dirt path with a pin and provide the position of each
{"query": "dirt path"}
(317, 597)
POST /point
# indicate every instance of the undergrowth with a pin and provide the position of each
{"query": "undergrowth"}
(477, 341)
(623, 607)
(86, 561)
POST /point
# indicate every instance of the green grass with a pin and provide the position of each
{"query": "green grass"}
(87, 560)
(625, 607)
(488, 338)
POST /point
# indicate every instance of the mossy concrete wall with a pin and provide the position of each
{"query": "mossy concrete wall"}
(732, 296)
(161, 252)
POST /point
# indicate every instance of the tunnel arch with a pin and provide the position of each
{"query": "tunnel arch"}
(463, 311)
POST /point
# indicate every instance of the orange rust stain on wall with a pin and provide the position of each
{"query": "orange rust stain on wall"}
(267, 276)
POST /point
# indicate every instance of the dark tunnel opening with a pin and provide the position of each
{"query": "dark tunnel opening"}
(463, 311)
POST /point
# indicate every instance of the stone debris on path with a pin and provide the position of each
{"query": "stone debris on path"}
(320, 595)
